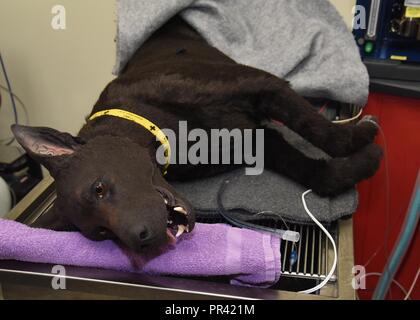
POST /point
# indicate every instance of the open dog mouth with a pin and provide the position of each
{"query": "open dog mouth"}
(177, 220)
(178, 215)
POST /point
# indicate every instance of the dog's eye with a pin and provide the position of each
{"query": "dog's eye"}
(100, 190)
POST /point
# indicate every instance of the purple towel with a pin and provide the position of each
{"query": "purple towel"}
(248, 257)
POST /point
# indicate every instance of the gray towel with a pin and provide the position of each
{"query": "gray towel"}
(305, 42)
(268, 195)
(264, 197)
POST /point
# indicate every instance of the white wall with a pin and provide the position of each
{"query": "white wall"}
(59, 74)
(345, 7)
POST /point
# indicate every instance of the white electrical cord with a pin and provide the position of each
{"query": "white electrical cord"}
(345, 121)
(379, 274)
(413, 285)
(330, 274)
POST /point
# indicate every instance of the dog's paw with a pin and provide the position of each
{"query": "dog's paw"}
(364, 132)
(342, 174)
(370, 161)
(369, 118)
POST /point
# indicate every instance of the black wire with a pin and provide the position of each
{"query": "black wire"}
(12, 98)
(10, 142)
(236, 222)
(25, 110)
(9, 87)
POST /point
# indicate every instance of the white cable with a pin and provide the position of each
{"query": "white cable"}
(344, 121)
(379, 274)
(330, 274)
(413, 285)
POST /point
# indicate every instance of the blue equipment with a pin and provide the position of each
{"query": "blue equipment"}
(388, 35)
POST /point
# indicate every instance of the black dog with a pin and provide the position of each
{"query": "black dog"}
(109, 184)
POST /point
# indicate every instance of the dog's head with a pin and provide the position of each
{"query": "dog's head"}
(109, 187)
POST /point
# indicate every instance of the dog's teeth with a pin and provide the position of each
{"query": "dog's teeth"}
(180, 209)
(181, 229)
(170, 222)
(166, 201)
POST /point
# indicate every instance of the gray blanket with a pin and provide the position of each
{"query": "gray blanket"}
(305, 42)
(266, 197)
(269, 195)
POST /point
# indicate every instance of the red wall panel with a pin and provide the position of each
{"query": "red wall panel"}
(381, 213)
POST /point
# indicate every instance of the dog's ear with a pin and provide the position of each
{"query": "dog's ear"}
(47, 146)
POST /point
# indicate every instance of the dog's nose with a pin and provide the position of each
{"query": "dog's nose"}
(144, 234)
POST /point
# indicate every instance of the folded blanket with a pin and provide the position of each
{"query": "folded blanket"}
(305, 42)
(246, 257)
(269, 195)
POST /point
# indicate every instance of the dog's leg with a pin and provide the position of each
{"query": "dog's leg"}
(327, 177)
(281, 103)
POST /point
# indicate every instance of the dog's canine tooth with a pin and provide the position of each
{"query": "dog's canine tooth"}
(166, 201)
(180, 209)
(181, 229)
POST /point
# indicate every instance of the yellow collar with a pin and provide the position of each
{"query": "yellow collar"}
(148, 125)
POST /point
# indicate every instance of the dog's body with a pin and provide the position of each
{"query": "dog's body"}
(176, 76)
